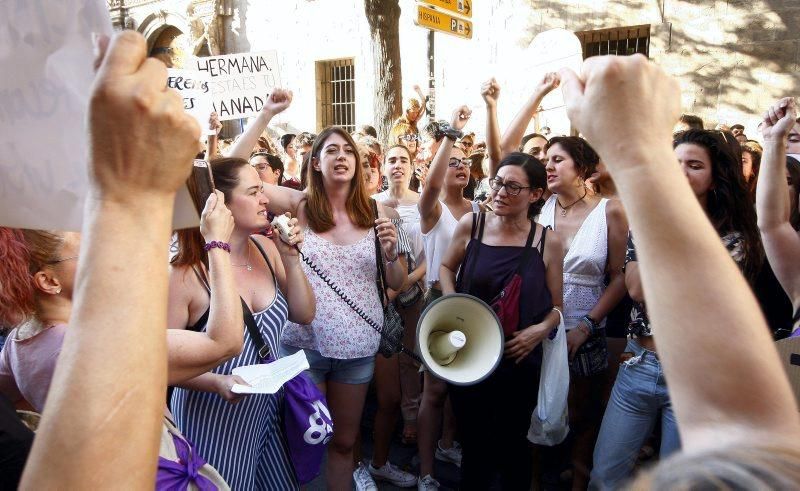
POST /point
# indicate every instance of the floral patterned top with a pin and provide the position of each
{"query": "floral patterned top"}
(640, 324)
(337, 331)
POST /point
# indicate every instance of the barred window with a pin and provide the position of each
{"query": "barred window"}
(336, 99)
(616, 41)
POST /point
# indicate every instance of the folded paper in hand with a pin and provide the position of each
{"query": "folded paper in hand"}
(268, 378)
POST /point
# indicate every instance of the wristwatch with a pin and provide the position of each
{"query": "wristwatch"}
(450, 132)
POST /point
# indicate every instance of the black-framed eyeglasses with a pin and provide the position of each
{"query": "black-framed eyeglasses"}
(410, 138)
(61, 260)
(456, 162)
(512, 188)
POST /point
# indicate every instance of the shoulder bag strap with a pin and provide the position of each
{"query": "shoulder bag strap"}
(381, 279)
(263, 349)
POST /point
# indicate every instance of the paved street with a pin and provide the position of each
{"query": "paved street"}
(403, 456)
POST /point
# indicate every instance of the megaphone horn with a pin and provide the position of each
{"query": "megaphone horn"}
(460, 339)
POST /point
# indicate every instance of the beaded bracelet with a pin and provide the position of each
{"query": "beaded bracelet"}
(218, 244)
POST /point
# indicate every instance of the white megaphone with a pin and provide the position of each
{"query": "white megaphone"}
(460, 339)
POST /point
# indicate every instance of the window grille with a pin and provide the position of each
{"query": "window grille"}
(336, 99)
(617, 41)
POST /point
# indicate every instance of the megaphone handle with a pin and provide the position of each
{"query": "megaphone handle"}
(347, 300)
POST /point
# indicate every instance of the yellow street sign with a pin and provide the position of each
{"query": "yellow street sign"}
(442, 22)
(460, 7)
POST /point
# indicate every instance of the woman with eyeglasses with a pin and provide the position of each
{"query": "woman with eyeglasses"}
(269, 167)
(441, 206)
(640, 393)
(487, 251)
(403, 133)
(36, 283)
(594, 231)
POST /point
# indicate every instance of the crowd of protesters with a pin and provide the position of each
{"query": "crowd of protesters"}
(673, 269)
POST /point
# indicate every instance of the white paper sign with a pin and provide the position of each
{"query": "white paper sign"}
(268, 378)
(193, 87)
(240, 83)
(46, 55)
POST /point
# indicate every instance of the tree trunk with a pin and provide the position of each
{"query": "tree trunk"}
(383, 17)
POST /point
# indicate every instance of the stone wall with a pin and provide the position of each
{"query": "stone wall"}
(732, 57)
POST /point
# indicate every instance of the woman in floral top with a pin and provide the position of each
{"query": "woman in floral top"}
(709, 160)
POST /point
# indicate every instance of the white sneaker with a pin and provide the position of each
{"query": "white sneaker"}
(391, 473)
(363, 479)
(452, 454)
(427, 483)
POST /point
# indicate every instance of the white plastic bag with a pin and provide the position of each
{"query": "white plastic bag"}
(549, 419)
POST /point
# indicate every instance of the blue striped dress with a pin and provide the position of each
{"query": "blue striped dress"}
(245, 441)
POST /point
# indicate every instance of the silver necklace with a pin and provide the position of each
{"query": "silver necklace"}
(246, 265)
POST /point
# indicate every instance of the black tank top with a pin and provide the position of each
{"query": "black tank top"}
(486, 270)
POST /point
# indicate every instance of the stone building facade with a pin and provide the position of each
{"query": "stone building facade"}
(732, 57)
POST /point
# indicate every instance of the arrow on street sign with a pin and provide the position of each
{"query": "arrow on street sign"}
(460, 7)
(439, 21)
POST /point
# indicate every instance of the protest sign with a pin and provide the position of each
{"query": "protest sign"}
(193, 87)
(241, 83)
(44, 99)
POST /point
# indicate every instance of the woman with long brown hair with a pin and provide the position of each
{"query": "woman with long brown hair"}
(244, 440)
(341, 234)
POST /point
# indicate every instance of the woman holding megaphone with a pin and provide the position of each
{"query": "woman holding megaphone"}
(489, 250)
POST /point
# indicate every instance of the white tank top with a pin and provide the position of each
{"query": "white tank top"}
(584, 263)
(438, 239)
(410, 216)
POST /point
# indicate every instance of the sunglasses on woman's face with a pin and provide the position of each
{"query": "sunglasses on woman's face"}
(409, 138)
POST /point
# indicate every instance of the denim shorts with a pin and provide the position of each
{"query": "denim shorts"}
(323, 369)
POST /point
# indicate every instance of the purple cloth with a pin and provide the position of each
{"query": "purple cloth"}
(308, 426)
(175, 476)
